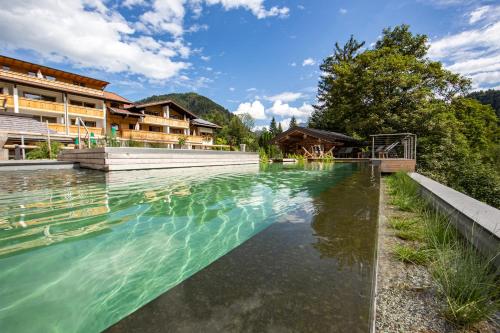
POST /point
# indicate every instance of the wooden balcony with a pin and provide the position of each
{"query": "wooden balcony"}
(86, 112)
(73, 130)
(155, 120)
(33, 104)
(53, 107)
(44, 83)
(158, 136)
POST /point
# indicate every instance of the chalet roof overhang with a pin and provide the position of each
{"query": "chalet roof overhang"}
(95, 94)
(320, 135)
(165, 102)
(8, 61)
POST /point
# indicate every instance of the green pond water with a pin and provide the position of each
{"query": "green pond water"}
(80, 250)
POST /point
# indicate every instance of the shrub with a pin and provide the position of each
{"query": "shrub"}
(42, 152)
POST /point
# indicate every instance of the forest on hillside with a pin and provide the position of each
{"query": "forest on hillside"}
(489, 97)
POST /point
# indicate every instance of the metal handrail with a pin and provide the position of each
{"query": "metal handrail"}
(79, 122)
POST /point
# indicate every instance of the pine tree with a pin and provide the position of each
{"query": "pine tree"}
(273, 128)
(280, 129)
(293, 122)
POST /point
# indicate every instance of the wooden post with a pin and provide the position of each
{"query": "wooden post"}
(22, 147)
(48, 139)
(373, 147)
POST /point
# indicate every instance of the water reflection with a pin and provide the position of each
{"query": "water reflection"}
(312, 272)
(102, 245)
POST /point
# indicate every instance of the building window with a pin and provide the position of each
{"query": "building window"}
(39, 97)
(50, 78)
(176, 131)
(153, 113)
(131, 126)
(88, 123)
(155, 129)
(5, 68)
(115, 105)
(115, 127)
(43, 119)
(81, 84)
(80, 103)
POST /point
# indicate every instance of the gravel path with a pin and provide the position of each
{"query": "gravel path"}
(406, 297)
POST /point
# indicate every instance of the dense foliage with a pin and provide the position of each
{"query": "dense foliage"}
(393, 87)
(490, 97)
(42, 152)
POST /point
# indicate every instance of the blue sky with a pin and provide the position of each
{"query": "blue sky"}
(256, 56)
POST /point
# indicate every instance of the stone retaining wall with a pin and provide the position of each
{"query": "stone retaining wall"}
(477, 221)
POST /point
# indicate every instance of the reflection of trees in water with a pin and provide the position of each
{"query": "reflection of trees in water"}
(346, 220)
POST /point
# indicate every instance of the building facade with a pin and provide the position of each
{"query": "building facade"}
(60, 100)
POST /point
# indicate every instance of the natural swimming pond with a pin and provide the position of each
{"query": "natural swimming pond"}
(80, 250)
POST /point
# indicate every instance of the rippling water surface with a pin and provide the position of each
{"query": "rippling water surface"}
(80, 249)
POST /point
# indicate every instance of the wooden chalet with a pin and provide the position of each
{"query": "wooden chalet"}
(315, 143)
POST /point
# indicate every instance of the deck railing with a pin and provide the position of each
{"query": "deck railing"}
(158, 136)
(155, 120)
(52, 107)
(73, 129)
(397, 145)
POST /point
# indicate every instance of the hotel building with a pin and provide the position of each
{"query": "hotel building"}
(37, 100)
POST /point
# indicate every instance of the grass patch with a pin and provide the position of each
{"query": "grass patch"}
(467, 280)
(412, 255)
(469, 285)
(407, 228)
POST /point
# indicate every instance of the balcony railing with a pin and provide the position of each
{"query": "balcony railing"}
(83, 111)
(158, 136)
(73, 129)
(155, 120)
(53, 107)
(58, 85)
(33, 104)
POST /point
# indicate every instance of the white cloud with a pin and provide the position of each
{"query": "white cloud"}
(232, 89)
(255, 109)
(285, 110)
(474, 52)
(285, 97)
(132, 3)
(255, 6)
(87, 34)
(205, 58)
(285, 123)
(343, 11)
(293, 64)
(251, 89)
(308, 62)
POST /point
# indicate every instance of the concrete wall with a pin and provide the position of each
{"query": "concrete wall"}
(122, 158)
(477, 221)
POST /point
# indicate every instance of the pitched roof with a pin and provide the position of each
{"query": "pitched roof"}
(115, 97)
(204, 123)
(167, 101)
(11, 122)
(320, 134)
